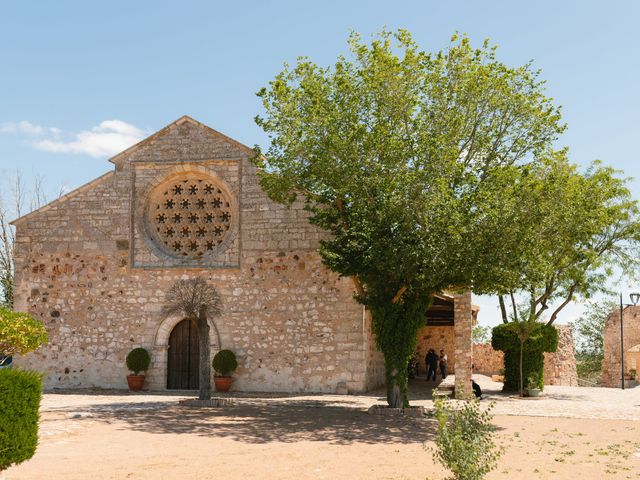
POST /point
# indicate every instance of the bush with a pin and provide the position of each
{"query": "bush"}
(20, 333)
(464, 439)
(544, 338)
(224, 363)
(20, 393)
(535, 381)
(138, 360)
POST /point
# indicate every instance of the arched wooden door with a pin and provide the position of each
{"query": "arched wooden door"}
(183, 359)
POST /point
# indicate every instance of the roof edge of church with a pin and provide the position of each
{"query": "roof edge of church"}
(117, 159)
(63, 198)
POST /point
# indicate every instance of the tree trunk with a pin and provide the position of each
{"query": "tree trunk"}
(396, 399)
(396, 328)
(513, 306)
(503, 309)
(205, 355)
(521, 380)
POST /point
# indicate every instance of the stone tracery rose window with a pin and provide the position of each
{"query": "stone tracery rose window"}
(190, 216)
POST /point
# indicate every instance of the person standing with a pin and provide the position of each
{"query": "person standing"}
(432, 364)
(443, 364)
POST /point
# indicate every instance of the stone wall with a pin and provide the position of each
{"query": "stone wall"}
(486, 360)
(85, 266)
(559, 366)
(611, 369)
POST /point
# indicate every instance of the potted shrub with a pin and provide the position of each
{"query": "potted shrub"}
(534, 385)
(138, 361)
(224, 364)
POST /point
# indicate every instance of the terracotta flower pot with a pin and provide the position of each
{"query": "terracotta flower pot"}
(135, 382)
(223, 384)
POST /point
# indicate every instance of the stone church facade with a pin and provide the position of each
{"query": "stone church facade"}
(95, 266)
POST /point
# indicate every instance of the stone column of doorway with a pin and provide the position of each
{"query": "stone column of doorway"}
(462, 327)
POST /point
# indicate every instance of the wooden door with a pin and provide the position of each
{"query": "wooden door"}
(183, 360)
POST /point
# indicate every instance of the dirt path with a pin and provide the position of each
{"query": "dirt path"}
(311, 437)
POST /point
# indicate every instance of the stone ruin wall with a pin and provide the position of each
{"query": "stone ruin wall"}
(293, 324)
(559, 366)
(486, 360)
(611, 368)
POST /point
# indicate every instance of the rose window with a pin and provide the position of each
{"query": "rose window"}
(190, 216)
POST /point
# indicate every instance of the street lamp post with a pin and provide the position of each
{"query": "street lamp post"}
(634, 300)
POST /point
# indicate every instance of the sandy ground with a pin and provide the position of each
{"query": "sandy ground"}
(144, 436)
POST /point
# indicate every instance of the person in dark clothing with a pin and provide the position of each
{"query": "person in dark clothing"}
(476, 389)
(432, 364)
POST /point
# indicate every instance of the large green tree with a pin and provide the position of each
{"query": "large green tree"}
(577, 227)
(403, 157)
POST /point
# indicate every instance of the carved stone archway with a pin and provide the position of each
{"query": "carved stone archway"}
(161, 347)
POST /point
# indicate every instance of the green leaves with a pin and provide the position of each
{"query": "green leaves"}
(20, 394)
(588, 329)
(573, 228)
(411, 161)
(20, 333)
(465, 439)
(401, 154)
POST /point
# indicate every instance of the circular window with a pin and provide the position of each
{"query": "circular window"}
(189, 216)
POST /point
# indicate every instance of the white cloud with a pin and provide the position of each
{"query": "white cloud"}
(28, 127)
(105, 140)
(24, 126)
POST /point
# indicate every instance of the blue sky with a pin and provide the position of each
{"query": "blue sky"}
(82, 79)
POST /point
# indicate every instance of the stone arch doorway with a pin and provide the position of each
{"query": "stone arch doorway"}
(183, 357)
(160, 353)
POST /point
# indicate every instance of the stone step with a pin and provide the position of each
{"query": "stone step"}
(446, 387)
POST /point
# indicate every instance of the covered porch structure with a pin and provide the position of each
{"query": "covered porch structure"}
(449, 325)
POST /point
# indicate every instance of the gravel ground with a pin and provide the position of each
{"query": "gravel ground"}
(269, 436)
(555, 401)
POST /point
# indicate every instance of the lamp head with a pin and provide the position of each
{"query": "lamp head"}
(635, 297)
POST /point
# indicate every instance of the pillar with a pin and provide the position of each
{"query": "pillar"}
(462, 327)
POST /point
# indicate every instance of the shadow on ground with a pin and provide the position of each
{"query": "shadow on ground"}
(264, 421)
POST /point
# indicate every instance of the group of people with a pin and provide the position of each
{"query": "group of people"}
(435, 361)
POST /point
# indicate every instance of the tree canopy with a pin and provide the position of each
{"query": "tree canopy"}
(406, 158)
(576, 227)
(20, 333)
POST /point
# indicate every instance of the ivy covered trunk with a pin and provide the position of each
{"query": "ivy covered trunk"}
(532, 363)
(396, 327)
